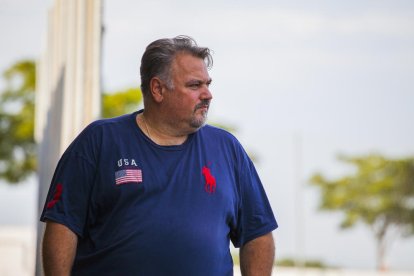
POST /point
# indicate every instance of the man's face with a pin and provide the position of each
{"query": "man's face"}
(188, 101)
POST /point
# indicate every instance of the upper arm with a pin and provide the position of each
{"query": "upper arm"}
(264, 243)
(59, 249)
(68, 199)
(255, 216)
(257, 256)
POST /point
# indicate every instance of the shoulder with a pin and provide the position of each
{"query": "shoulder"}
(107, 127)
(101, 130)
(110, 123)
(220, 137)
(217, 132)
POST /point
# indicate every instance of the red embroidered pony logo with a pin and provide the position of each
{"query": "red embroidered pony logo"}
(210, 186)
(56, 196)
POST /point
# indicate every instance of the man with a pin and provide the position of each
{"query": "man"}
(158, 192)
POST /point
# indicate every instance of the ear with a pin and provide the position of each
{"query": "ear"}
(156, 89)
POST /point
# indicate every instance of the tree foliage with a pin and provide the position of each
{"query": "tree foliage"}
(18, 150)
(17, 146)
(380, 194)
(288, 262)
(121, 102)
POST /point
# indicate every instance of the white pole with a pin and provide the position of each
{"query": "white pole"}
(68, 95)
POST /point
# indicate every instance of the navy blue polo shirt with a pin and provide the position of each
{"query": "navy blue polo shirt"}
(143, 209)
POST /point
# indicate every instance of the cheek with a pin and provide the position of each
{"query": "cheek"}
(188, 102)
(184, 103)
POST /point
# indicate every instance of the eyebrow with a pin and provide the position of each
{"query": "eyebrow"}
(192, 81)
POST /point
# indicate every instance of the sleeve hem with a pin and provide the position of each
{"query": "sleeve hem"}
(71, 227)
(262, 231)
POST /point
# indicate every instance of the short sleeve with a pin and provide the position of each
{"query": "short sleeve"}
(69, 193)
(255, 215)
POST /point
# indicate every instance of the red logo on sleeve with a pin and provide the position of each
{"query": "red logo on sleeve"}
(210, 185)
(56, 196)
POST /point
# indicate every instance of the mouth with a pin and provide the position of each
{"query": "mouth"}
(202, 106)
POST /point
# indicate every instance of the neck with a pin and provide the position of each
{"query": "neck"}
(157, 132)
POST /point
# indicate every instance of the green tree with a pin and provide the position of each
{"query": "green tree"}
(289, 262)
(379, 193)
(18, 150)
(121, 102)
(17, 146)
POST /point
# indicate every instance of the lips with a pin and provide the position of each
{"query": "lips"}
(202, 105)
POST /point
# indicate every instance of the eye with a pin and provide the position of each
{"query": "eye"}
(194, 85)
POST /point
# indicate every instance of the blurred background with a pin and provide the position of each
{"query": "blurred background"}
(320, 93)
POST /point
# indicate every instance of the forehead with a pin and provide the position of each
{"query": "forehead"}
(187, 65)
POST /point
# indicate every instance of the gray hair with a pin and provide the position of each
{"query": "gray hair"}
(158, 56)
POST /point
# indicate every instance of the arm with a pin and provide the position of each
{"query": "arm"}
(257, 256)
(59, 249)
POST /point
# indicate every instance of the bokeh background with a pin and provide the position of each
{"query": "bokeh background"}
(299, 81)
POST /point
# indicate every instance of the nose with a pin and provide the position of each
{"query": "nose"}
(206, 94)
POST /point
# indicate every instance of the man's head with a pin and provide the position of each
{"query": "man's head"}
(175, 83)
(159, 55)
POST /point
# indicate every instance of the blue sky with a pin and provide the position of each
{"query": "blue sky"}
(318, 77)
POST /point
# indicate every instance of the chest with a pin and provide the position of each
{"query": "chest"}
(194, 180)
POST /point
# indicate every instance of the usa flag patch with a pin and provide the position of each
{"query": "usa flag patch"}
(128, 176)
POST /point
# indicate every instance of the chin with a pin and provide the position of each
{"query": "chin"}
(198, 123)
